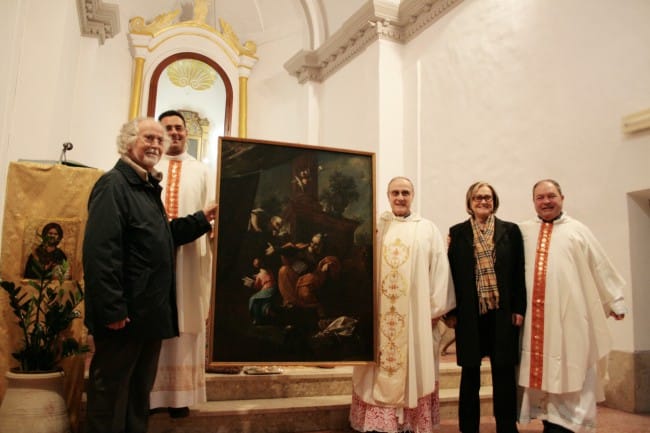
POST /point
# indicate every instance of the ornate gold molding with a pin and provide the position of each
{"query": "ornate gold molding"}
(249, 48)
(377, 19)
(136, 88)
(139, 26)
(243, 107)
(98, 19)
(167, 21)
(151, 42)
(637, 122)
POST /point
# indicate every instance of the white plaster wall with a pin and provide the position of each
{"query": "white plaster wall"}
(101, 100)
(639, 220)
(515, 91)
(348, 105)
(39, 80)
(505, 90)
(276, 102)
(11, 12)
(67, 88)
(45, 80)
(393, 150)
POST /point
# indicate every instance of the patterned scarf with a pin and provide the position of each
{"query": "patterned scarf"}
(486, 278)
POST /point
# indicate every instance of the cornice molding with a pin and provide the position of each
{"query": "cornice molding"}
(98, 19)
(377, 19)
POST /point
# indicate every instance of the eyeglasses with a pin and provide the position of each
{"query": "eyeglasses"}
(480, 198)
(150, 139)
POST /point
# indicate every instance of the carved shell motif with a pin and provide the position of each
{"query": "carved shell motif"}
(193, 73)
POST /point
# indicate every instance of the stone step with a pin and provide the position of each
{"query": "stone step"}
(284, 415)
(297, 381)
(300, 399)
(294, 381)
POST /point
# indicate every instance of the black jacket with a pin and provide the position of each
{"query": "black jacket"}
(128, 255)
(509, 268)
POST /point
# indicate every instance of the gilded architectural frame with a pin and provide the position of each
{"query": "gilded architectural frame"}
(155, 41)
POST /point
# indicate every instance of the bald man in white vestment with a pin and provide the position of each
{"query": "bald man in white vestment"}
(180, 380)
(400, 392)
(572, 288)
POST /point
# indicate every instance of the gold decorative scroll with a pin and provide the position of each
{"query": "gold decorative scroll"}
(138, 25)
(249, 48)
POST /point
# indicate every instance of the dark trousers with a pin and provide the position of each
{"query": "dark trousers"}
(504, 393)
(122, 373)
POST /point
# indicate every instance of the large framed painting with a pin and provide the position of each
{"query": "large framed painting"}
(293, 280)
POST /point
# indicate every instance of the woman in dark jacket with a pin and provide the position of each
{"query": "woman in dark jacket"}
(487, 265)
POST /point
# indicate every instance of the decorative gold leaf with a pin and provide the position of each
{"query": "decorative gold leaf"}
(138, 25)
(192, 73)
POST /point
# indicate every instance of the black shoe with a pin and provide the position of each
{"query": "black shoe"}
(157, 410)
(550, 427)
(178, 412)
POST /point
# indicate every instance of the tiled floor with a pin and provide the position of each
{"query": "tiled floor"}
(609, 420)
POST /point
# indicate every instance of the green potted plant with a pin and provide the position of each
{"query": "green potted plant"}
(44, 311)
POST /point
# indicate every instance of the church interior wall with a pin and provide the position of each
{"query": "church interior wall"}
(639, 220)
(348, 105)
(9, 11)
(101, 101)
(504, 91)
(42, 84)
(514, 92)
(394, 152)
(277, 103)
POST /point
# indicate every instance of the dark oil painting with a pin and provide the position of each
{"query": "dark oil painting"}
(294, 265)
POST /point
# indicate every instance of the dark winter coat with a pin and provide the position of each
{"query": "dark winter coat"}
(128, 255)
(509, 268)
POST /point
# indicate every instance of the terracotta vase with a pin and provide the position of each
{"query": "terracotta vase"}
(34, 403)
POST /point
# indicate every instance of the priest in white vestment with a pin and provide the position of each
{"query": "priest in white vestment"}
(414, 289)
(572, 288)
(180, 380)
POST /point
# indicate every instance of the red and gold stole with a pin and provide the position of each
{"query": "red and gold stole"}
(173, 186)
(539, 293)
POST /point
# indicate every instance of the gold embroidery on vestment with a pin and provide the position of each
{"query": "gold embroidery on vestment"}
(173, 187)
(538, 296)
(393, 323)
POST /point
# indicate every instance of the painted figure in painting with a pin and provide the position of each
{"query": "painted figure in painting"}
(47, 255)
(261, 304)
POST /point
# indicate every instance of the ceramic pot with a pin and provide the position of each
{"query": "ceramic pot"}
(34, 403)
